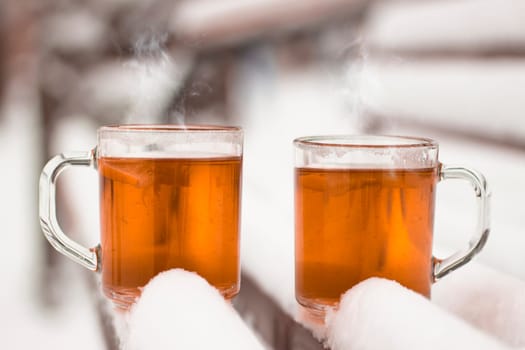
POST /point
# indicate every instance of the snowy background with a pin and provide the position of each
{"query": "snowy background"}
(450, 70)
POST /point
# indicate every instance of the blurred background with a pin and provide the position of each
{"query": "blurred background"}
(452, 70)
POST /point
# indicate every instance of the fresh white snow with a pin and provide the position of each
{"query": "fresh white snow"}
(180, 310)
(381, 314)
(438, 25)
(492, 301)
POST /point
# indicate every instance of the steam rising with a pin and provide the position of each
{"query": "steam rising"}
(157, 77)
(355, 57)
(150, 45)
(363, 88)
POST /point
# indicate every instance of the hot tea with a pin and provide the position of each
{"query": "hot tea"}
(163, 213)
(169, 198)
(352, 224)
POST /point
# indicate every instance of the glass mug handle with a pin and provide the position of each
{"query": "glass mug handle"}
(442, 267)
(47, 208)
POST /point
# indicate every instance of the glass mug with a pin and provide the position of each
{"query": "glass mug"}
(364, 206)
(169, 198)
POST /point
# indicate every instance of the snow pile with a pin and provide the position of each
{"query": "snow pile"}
(492, 301)
(381, 314)
(180, 310)
(408, 89)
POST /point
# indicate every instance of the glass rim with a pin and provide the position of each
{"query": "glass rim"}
(366, 141)
(168, 128)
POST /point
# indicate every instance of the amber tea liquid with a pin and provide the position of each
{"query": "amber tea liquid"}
(157, 214)
(352, 224)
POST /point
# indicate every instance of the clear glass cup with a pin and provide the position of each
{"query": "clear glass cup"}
(169, 198)
(364, 206)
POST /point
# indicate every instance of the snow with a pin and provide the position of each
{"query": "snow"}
(180, 310)
(381, 314)
(484, 97)
(466, 24)
(476, 307)
(487, 299)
